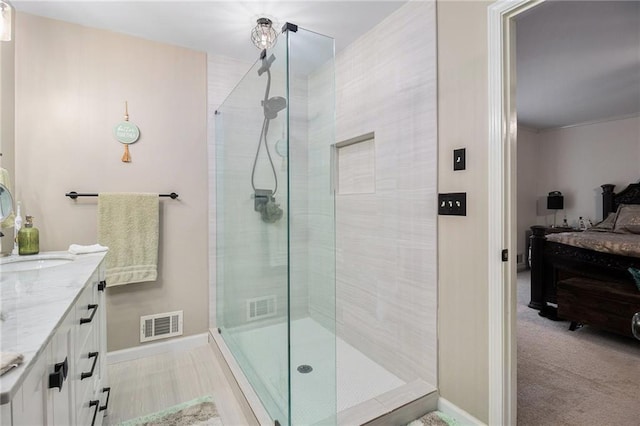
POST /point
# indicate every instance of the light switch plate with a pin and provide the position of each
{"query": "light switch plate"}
(459, 159)
(452, 204)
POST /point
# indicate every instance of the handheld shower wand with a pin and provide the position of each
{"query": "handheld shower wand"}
(265, 198)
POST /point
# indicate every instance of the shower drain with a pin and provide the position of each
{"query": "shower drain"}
(304, 369)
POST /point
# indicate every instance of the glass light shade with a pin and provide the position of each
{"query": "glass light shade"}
(5, 21)
(263, 35)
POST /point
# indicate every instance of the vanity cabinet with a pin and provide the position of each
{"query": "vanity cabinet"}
(67, 383)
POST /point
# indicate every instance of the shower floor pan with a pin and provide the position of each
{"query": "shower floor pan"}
(365, 390)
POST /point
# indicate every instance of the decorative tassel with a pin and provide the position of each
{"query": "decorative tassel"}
(126, 158)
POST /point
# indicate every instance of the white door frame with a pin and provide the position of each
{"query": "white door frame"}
(502, 209)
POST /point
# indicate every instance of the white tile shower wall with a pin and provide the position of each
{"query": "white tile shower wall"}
(223, 74)
(386, 241)
(255, 252)
(322, 244)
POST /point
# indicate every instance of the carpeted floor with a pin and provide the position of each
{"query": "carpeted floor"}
(201, 411)
(585, 377)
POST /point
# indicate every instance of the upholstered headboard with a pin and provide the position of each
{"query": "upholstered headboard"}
(611, 200)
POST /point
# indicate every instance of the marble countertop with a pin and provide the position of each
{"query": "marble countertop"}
(33, 304)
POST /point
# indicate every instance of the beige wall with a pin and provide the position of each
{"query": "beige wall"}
(71, 84)
(462, 241)
(7, 128)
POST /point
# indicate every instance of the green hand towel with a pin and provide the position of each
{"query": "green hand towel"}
(128, 223)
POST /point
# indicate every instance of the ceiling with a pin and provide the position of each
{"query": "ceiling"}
(577, 61)
(215, 26)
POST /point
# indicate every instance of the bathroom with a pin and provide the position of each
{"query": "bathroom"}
(71, 84)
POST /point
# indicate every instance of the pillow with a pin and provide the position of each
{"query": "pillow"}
(607, 224)
(628, 220)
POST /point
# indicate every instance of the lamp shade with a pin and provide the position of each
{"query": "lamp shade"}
(555, 201)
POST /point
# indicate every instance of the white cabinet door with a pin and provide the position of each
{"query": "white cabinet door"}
(29, 404)
(5, 414)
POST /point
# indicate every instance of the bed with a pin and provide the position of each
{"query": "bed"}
(599, 275)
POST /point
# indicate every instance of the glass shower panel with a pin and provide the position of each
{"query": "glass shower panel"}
(252, 228)
(275, 236)
(311, 228)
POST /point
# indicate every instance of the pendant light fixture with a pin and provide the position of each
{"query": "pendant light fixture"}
(263, 35)
(5, 21)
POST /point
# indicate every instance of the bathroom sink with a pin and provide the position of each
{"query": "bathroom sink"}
(36, 262)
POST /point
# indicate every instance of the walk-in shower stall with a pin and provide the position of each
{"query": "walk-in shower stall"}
(325, 249)
(275, 228)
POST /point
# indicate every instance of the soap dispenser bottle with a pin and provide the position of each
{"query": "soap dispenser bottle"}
(28, 238)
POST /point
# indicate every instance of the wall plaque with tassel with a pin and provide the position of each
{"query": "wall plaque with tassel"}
(126, 133)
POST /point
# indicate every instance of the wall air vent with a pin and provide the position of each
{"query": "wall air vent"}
(160, 326)
(261, 307)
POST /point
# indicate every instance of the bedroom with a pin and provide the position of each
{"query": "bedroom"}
(579, 131)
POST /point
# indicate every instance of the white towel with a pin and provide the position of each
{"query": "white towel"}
(128, 223)
(79, 249)
(9, 360)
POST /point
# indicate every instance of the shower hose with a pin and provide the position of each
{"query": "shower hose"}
(263, 136)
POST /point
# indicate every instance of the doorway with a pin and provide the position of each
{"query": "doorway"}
(502, 182)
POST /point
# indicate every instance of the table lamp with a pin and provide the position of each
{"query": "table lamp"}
(555, 202)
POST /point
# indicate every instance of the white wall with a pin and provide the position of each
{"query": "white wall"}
(527, 180)
(575, 161)
(386, 240)
(71, 85)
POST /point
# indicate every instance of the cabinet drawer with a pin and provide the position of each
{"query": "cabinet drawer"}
(88, 375)
(87, 314)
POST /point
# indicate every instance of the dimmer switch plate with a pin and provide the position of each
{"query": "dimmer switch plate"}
(459, 159)
(452, 204)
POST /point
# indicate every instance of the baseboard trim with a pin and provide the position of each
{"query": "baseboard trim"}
(457, 413)
(149, 349)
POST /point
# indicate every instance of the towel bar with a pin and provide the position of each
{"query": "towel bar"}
(73, 195)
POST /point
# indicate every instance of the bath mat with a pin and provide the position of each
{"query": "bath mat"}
(434, 418)
(201, 411)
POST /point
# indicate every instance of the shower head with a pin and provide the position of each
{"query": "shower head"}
(273, 106)
(266, 64)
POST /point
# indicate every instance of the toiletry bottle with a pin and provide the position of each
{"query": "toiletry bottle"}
(565, 224)
(17, 225)
(581, 225)
(28, 238)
